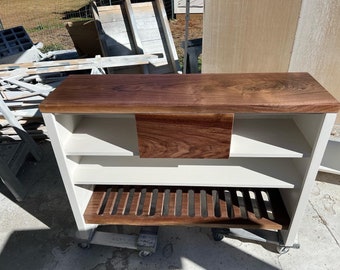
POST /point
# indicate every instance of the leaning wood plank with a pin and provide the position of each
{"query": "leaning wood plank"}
(133, 25)
(191, 93)
(19, 95)
(99, 28)
(168, 36)
(102, 62)
(75, 64)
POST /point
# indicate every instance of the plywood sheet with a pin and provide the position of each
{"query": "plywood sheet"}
(317, 44)
(248, 36)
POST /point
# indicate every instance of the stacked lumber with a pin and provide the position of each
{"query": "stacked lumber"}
(134, 38)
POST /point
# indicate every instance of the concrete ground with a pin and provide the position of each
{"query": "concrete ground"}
(38, 233)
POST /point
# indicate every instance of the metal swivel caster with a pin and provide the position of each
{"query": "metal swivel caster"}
(144, 253)
(218, 234)
(84, 245)
(282, 249)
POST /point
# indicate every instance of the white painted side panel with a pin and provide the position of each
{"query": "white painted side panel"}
(78, 196)
(308, 182)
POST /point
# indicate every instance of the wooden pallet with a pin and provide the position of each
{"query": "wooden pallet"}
(192, 206)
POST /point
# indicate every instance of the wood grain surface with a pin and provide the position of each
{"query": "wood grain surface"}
(249, 36)
(184, 135)
(193, 206)
(191, 93)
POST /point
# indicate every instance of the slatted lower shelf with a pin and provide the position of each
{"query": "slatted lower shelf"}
(193, 206)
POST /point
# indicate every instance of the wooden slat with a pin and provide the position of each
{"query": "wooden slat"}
(211, 217)
(74, 64)
(190, 93)
(95, 201)
(184, 136)
(134, 203)
(172, 201)
(159, 204)
(111, 200)
(223, 204)
(122, 202)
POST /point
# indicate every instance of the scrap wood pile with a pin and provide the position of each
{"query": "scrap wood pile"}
(124, 38)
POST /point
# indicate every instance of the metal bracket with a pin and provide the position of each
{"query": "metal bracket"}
(262, 236)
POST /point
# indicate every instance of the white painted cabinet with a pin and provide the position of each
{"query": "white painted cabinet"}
(273, 161)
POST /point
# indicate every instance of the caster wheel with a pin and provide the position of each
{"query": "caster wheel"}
(144, 253)
(218, 236)
(282, 249)
(84, 245)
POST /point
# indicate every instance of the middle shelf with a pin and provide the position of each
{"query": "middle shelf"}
(234, 172)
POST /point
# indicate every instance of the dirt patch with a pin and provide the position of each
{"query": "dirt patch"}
(178, 30)
(45, 20)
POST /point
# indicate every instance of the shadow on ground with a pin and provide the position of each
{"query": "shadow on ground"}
(56, 248)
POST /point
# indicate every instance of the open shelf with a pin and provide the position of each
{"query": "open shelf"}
(103, 136)
(200, 206)
(250, 138)
(268, 138)
(235, 172)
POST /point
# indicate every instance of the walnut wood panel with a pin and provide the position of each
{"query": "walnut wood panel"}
(190, 93)
(197, 206)
(184, 135)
